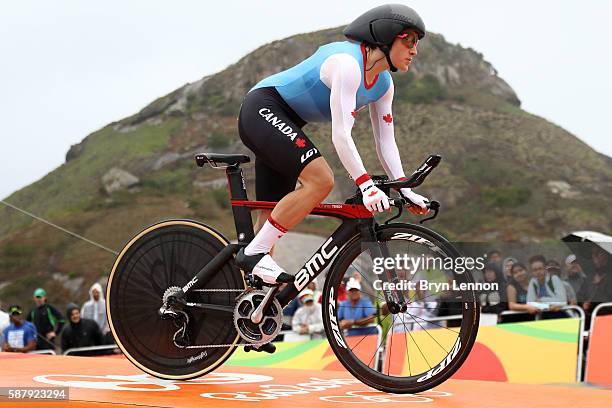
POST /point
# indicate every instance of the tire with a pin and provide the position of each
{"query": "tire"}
(399, 381)
(169, 254)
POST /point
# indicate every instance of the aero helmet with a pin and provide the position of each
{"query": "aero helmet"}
(380, 25)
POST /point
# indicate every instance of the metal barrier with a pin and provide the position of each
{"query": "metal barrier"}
(91, 348)
(578, 313)
(434, 319)
(48, 351)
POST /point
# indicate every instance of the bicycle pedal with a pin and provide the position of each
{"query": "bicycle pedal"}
(254, 281)
(268, 348)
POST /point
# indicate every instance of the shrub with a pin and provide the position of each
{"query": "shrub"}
(218, 140)
(511, 196)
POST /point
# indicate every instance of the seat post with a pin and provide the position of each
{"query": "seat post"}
(242, 215)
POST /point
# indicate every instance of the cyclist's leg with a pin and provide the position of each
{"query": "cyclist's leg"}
(317, 181)
(284, 154)
(262, 217)
(270, 185)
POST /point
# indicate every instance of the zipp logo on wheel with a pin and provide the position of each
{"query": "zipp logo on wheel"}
(308, 154)
(333, 321)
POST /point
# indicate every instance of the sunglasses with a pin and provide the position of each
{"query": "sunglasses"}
(410, 39)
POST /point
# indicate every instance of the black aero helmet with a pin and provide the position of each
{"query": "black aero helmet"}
(380, 25)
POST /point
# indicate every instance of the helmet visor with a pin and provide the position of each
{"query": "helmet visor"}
(410, 39)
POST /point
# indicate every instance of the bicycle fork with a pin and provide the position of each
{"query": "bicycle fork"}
(396, 300)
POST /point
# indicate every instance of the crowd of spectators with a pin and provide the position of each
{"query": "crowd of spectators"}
(44, 327)
(538, 288)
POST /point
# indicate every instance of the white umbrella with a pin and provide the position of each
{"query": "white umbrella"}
(602, 240)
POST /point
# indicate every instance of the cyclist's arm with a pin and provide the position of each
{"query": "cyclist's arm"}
(341, 73)
(384, 136)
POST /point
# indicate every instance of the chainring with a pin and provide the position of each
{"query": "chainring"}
(270, 325)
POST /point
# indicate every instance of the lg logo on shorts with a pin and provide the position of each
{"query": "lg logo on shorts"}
(309, 153)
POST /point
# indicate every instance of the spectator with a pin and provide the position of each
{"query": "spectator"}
(494, 256)
(517, 291)
(342, 295)
(79, 332)
(95, 308)
(545, 291)
(316, 294)
(47, 319)
(5, 320)
(356, 312)
(507, 267)
(553, 267)
(598, 287)
(308, 319)
(494, 299)
(575, 275)
(20, 335)
(288, 313)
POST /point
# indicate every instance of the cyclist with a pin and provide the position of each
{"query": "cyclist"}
(333, 84)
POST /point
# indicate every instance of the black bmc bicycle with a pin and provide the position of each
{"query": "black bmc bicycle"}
(178, 306)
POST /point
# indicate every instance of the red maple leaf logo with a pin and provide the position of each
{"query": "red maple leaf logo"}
(299, 142)
(388, 118)
(354, 114)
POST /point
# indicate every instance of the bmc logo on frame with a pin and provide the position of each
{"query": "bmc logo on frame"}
(314, 265)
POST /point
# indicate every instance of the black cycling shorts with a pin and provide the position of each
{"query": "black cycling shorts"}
(273, 131)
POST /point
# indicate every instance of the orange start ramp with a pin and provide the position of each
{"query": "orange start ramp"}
(115, 382)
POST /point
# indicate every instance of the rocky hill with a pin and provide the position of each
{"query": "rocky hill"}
(505, 175)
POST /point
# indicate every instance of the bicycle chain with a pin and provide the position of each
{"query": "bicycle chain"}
(223, 345)
(219, 290)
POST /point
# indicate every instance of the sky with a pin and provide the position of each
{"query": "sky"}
(68, 68)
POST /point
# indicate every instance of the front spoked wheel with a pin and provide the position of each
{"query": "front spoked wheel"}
(411, 349)
(159, 260)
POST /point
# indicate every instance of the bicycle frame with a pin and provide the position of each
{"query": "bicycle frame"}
(356, 221)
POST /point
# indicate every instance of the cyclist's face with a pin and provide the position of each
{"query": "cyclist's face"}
(403, 50)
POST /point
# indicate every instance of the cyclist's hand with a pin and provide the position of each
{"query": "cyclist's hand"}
(419, 202)
(373, 198)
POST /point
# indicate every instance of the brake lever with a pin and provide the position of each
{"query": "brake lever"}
(400, 207)
(435, 206)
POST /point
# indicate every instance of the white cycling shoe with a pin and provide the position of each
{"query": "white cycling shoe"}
(264, 267)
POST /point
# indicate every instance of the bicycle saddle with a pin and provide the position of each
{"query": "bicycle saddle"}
(215, 158)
